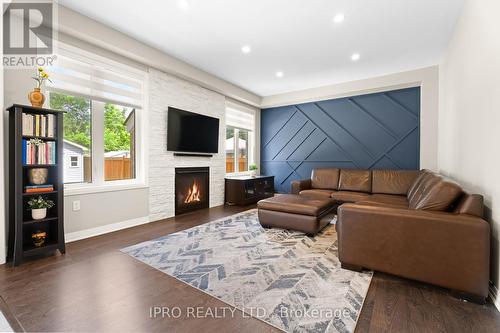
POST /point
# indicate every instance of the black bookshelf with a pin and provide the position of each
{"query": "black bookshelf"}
(21, 224)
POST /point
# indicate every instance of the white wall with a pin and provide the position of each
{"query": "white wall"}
(166, 90)
(100, 210)
(426, 78)
(469, 121)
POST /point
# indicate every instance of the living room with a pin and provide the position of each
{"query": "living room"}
(244, 165)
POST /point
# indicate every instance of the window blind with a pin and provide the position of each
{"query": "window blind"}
(87, 75)
(239, 116)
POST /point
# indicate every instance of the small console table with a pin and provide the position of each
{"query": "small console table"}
(246, 190)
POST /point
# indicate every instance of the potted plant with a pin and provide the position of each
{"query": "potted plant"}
(39, 207)
(253, 168)
(36, 97)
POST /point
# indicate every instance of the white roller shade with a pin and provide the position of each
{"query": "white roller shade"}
(91, 77)
(240, 117)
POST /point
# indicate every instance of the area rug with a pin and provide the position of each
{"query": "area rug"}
(285, 278)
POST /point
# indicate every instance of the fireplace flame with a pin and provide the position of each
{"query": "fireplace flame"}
(193, 194)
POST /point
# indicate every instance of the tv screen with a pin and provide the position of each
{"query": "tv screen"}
(192, 132)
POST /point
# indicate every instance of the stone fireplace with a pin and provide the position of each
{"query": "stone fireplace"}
(191, 189)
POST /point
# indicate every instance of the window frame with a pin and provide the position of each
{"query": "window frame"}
(71, 161)
(250, 150)
(98, 184)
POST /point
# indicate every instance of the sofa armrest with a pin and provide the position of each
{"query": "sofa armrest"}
(300, 185)
(449, 250)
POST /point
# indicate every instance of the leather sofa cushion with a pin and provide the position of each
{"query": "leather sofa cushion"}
(427, 182)
(420, 178)
(393, 181)
(355, 180)
(439, 196)
(297, 204)
(386, 199)
(471, 204)
(327, 179)
(347, 196)
(316, 193)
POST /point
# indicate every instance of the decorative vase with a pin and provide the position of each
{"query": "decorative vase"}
(39, 213)
(39, 238)
(38, 176)
(36, 98)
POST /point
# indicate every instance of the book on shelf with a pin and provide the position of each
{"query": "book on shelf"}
(39, 188)
(38, 153)
(39, 125)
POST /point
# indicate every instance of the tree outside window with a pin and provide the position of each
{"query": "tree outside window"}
(118, 136)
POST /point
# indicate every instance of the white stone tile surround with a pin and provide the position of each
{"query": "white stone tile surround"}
(166, 90)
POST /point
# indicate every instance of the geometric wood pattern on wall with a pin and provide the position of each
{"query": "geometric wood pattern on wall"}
(373, 131)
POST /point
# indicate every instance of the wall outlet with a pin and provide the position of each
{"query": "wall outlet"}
(76, 205)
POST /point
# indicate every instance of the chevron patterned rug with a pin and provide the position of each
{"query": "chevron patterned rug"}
(285, 278)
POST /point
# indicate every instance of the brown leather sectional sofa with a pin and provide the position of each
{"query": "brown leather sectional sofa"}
(413, 224)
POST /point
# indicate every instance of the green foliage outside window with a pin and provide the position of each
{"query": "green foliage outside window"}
(78, 124)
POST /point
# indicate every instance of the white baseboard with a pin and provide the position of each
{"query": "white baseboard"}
(87, 233)
(495, 296)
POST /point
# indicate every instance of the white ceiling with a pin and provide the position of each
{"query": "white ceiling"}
(297, 37)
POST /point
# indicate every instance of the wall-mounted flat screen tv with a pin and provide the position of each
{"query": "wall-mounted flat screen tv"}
(192, 132)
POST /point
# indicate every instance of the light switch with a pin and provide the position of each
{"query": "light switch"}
(76, 205)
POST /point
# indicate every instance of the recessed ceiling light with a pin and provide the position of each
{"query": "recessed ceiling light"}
(279, 74)
(355, 57)
(246, 49)
(183, 4)
(339, 18)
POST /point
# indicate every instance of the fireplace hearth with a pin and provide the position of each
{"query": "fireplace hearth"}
(191, 189)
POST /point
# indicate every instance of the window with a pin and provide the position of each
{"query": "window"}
(119, 142)
(77, 135)
(237, 159)
(74, 162)
(102, 101)
(230, 155)
(240, 138)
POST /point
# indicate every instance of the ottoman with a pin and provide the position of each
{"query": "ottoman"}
(296, 212)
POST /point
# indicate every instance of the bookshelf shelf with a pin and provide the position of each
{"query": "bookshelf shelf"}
(48, 219)
(21, 226)
(40, 165)
(46, 249)
(44, 138)
(25, 194)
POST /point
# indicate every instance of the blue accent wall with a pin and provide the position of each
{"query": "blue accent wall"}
(373, 131)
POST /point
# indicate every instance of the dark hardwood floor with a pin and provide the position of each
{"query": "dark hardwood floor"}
(95, 287)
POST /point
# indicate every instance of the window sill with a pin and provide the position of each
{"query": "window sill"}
(236, 174)
(79, 189)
